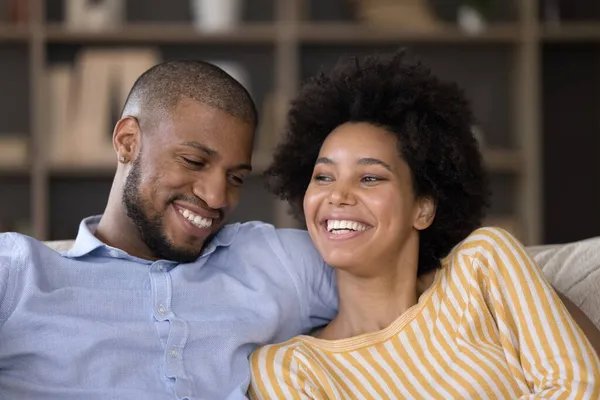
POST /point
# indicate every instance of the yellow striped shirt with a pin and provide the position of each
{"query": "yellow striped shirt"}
(489, 327)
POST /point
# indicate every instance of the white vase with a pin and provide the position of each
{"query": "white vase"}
(470, 20)
(94, 15)
(216, 15)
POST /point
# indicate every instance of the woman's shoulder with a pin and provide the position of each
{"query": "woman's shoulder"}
(272, 353)
(490, 237)
(491, 248)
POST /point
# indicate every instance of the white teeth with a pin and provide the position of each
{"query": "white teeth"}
(345, 226)
(197, 220)
(341, 231)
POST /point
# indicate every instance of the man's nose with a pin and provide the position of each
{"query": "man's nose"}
(212, 190)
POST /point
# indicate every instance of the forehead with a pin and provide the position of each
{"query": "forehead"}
(361, 140)
(191, 120)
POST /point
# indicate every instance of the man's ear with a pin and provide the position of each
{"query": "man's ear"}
(127, 139)
(426, 208)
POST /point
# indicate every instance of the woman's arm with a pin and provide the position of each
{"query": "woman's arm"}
(535, 328)
(278, 375)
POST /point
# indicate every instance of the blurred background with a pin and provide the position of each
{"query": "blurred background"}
(531, 69)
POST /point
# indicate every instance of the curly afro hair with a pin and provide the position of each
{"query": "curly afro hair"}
(432, 121)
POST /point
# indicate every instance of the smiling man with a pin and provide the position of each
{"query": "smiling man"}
(158, 298)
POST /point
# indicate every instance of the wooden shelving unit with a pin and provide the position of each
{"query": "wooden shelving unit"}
(349, 33)
(177, 33)
(294, 43)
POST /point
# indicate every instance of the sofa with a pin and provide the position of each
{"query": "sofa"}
(572, 268)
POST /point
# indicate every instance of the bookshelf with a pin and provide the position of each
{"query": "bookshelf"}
(281, 42)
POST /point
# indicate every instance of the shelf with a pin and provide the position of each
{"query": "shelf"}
(495, 160)
(162, 34)
(352, 33)
(259, 162)
(82, 171)
(572, 31)
(13, 33)
(14, 171)
(499, 160)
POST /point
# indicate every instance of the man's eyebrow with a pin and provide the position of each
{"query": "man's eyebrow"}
(239, 167)
(199, 146)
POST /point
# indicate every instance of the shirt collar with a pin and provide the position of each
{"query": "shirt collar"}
(86, 242)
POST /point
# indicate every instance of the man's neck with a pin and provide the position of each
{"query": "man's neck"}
(117, 230)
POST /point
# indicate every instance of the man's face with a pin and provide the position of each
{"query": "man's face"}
(187, 178)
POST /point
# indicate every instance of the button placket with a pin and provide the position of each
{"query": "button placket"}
(161, 288)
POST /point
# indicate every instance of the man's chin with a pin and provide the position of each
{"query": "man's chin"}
(181, 255)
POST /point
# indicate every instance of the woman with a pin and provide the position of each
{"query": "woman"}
(381, 160)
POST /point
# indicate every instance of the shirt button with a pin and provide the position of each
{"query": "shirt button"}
(161, 268)
(114, 253)
(162, 310)
(173, 352)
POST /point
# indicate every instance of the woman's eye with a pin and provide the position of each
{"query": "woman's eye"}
(322, 178)
(370, 179)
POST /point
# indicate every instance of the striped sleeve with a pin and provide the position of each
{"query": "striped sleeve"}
(278, 374)
(535, 328)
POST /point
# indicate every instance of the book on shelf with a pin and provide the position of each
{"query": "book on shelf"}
(83, 98)
(14, 151)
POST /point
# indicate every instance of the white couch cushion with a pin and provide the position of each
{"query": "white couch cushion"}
(574, 270)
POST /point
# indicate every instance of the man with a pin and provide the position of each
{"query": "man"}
(158, 299)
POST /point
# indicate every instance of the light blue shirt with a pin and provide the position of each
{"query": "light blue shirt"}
(97, 323)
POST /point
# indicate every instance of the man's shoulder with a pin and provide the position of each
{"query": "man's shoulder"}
(17, 241)
(17, 246)
(255, 232)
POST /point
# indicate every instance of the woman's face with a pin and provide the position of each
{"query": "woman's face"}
(360, 207)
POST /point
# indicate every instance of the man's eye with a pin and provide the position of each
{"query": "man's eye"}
(193, 163)
(237, 180)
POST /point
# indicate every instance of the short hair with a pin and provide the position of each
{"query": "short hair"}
(160, 88)
(431, 120)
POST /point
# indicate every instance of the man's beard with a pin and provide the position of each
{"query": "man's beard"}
(151, 229)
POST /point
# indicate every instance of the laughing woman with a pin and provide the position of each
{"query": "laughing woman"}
(380, 159)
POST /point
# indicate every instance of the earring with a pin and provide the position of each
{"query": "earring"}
(123, 159)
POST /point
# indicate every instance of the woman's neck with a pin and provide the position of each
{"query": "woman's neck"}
(370, 304)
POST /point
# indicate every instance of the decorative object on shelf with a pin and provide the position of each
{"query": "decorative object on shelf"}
(14, 151)
(59, 82)
(94, 15)
(216, 15)
(413, 15)
(471, 15)
(86, 97)
(236, 70)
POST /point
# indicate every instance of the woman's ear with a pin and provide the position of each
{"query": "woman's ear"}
(426, 208)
